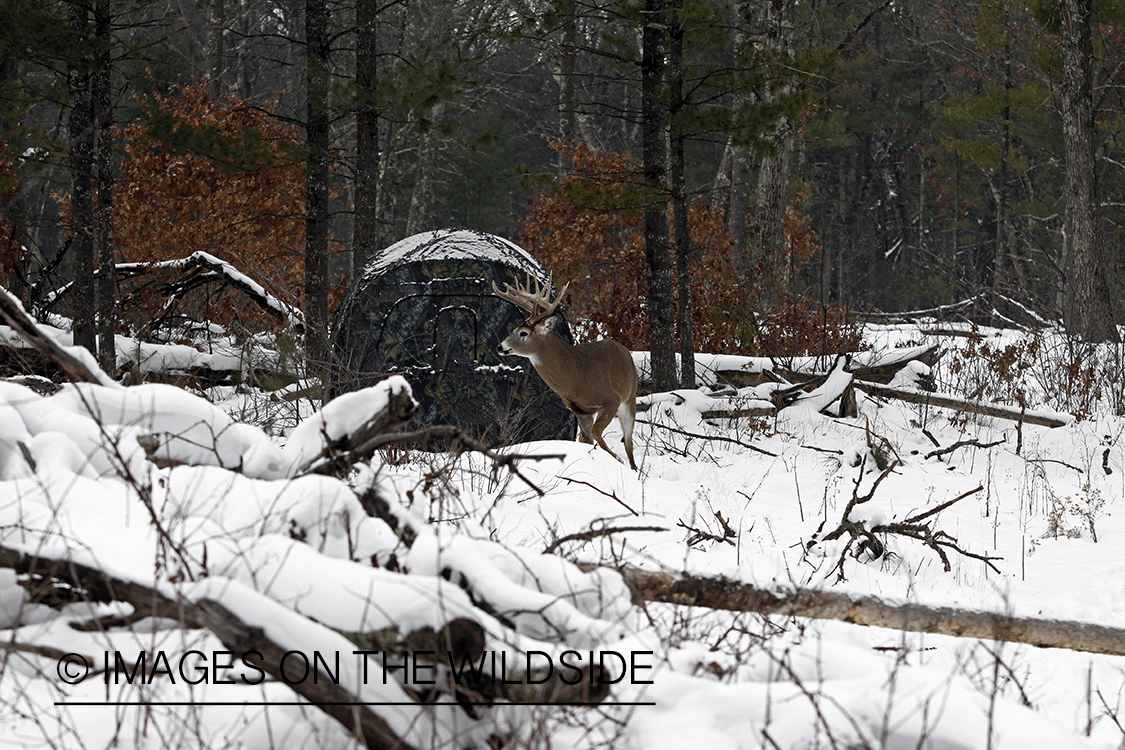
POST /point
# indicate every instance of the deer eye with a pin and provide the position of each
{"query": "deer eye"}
(523, 334)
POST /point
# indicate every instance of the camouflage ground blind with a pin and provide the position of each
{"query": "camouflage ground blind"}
(424, 308)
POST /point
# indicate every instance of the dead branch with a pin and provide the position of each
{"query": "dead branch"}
(749, 411)
(332, 699)
(963, 444)
(870, 611)
(586, 536)
(927, 398)
(698, 535)
(217, 270)
(611, 495)
(338, 457)
(720, 438)
(766, 370)
(868, 539)
(341, 463)
(13, 316)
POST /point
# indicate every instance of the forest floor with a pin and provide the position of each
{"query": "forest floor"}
(748, 500)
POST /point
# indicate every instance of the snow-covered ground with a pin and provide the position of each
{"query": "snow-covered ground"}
(299, 557)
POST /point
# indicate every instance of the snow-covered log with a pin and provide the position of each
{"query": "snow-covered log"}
(874, 366)
(871, 611)
(927, 398)
(339, 435)
(215, 269)
(76, 362)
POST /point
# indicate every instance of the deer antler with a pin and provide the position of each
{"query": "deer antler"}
(537, 304)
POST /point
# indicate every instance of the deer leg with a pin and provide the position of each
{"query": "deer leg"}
(627, 414)
(604, 418)
(585, 424)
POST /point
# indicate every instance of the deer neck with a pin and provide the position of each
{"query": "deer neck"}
(551, 358)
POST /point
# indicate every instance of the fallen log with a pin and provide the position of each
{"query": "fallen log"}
(870, 611)
(78, 364)
(927, 398)
(332, 699)
(879, 367)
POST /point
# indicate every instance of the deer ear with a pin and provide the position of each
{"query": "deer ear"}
(547, 325)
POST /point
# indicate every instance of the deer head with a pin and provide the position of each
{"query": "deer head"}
(597, 380)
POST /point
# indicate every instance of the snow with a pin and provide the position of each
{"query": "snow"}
(224, 515)
(454, 244)
(342, 417)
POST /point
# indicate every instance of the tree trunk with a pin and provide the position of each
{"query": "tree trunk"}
(316, 211)
(13, 254)
(772, 195)
(686, 307)
(215, 52)
(568, 64)
(103, 218)
(661, 312)
(81, 164)
(870, 611)
(1087, 298)
(365, 225)
(422, 196)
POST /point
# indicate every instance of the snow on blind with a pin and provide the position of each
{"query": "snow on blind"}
(454, 244)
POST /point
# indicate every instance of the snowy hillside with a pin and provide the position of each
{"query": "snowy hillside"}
(145, 520)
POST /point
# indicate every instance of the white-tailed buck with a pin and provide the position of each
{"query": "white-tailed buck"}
(597, 380)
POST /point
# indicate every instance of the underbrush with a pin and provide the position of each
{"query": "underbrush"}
(1043, 368)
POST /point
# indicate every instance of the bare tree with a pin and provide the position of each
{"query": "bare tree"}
(317, 134)
(1088, 303)
(81, 163)
(661, 310)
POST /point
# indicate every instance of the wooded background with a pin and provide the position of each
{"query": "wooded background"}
(732, 176)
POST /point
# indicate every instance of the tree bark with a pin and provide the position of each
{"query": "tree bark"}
(772, 194)
(215, 52)
(316, 217)
(568, 65)
(81, 164)
(13, 248)
(102, 96)
(686, 307)
(658, 260)
(722, 593)
(422, 196)
(1087, 296)
(365, 224)
(973, 407)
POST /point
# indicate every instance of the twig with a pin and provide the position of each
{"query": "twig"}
(1053, 461)
(610, 495)
(963, 444)
(824, 450)
(427, 436)
(586, 536)
(708, 437)
(943, 506)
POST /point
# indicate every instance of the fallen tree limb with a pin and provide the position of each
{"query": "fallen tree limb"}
(76, 370)
(927, 398)
(963, 444)
(217, 270)
(341, 464)
(332, 699)
(337, 457)
(875, 367)
(458, 642)
(870, 611)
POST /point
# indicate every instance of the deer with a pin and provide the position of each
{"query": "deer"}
(596, 380)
